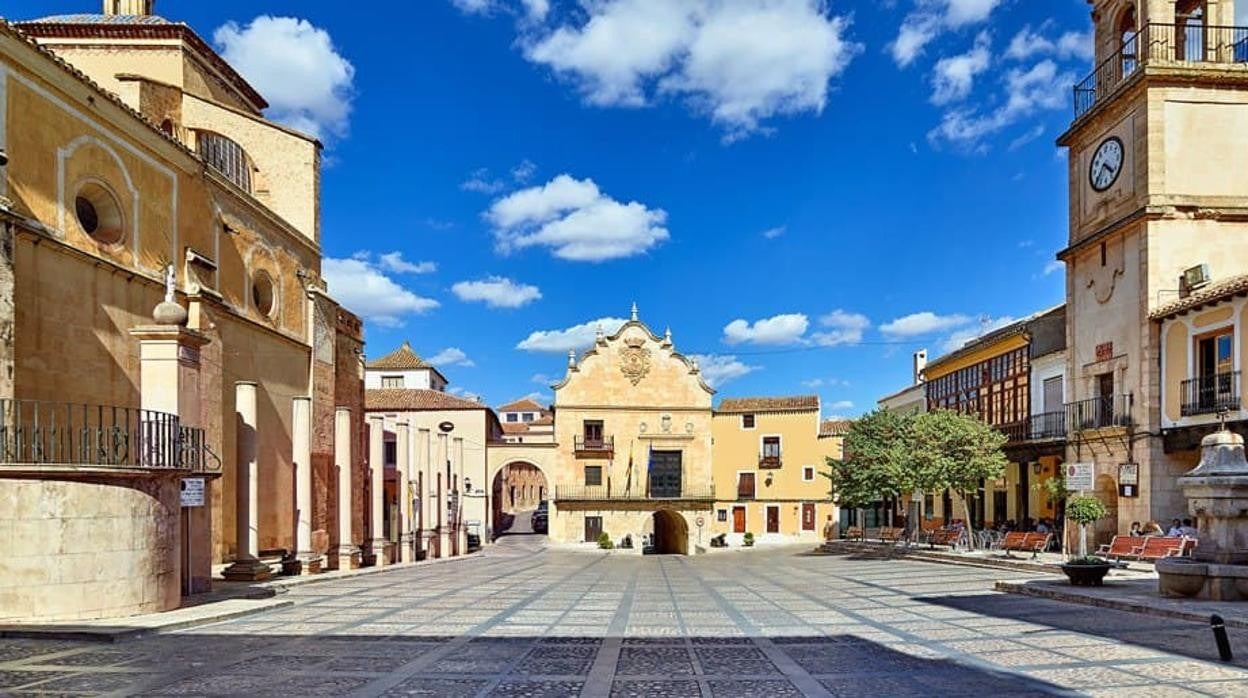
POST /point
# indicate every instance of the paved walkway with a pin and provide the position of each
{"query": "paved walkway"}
(522, 620)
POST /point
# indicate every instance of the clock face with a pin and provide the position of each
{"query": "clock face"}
(1106, 164)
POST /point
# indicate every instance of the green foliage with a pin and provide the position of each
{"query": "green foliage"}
(1085, 509)
(956, 451)
(604, 541)
(1087, 560)
(1055, 487)
(876, 455)
(748, 539)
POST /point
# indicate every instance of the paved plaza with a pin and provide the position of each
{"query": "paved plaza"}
(523, 620)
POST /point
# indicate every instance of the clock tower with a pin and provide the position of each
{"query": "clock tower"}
(1157, 184)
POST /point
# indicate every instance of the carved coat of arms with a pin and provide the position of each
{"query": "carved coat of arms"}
(634, 360)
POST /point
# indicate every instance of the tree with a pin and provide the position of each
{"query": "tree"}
(876, 455)
(1084, 509)
(955, 451)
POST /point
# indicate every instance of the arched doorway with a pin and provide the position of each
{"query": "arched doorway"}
(671, 533)
(520, 500)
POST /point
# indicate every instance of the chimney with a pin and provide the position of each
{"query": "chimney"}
(920, 363)
(129, 7)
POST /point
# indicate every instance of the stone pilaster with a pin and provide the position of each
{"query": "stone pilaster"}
(377, 489)
(309, 560)
(346, 553)
(402, 464)
(442, 477)
(247, 565)
(461, 530)
(424, 511)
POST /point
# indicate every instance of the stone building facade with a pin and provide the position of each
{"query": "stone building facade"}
(139, 168)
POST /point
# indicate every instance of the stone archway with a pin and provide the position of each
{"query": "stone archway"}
(671, 533)
(517, 492)
(1105, 529)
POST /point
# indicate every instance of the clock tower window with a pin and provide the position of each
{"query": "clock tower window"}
(1129, 38)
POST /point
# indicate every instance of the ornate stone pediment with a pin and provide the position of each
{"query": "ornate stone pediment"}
(634, 359)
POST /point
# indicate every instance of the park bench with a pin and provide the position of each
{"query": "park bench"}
(1122, 547)
(892, 535)
(853, 533)
(1033, 543)
(942, 536)
(1158, 547)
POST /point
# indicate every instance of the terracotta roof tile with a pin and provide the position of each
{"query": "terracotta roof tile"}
(545, 420)
(835, 427)
(401, 359)
(415, 399)
(769, 404)
(1234, 286)
(515, 427)
(522, 405)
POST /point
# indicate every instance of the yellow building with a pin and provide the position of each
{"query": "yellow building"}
(768, 454)
(633, 444)
(139, 167)
(1157, 189)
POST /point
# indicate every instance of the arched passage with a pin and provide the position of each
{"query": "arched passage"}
(671, 533)
(520, 492)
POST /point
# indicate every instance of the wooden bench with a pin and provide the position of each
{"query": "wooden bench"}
(1034, 543)
(1158, 547)
(853, 533)
(892, 535)
(942, 536)
(1123, 547)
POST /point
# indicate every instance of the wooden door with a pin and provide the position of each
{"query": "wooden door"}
(738, 519)
(773, 519)
(665, 474)
(593, 528)
(808, 516)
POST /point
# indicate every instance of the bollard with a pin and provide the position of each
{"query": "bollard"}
(1219, 636)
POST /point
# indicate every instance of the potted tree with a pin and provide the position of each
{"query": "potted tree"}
(604, 541)
(748, 539)
(1085, 570)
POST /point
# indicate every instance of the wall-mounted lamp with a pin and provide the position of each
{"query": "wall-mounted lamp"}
(1037, 468)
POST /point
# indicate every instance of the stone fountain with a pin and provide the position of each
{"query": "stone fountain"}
(1217, 495)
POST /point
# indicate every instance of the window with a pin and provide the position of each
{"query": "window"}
(721, 515)
(528, 416)
(99, 214)
(808, 473)
(511, 416)
(592, 430)
(593, 476)
(225, 156)
(1214, 353)
(771, 446)
(745, 485)
(390, 453)
(747, 421)
(1053, 394)
(392, 381)
(262, 293)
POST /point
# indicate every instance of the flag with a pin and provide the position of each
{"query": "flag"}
(628, 478)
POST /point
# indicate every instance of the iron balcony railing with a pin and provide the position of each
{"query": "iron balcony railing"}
(637, 493)
(34, 432)
(769, 461)
(1099, 413)
(1211, 394)
(1175, 44)
(594, 445)
(1047, 426)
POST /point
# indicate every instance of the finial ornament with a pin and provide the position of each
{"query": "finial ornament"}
(571, 358)
(171, 279)
(667, 334)
(168, 312)
(634, 311)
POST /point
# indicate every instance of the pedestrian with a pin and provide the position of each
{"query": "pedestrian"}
(1176, 529)
(1188, 530)
(1152, 528)
(1136, 529)
(1042, 527)
(829, 529)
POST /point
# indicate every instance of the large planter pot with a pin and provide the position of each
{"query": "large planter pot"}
(1086, 575)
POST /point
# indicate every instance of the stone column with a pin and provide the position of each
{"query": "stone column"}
(169, 383)
(247, 565)
(309, 561)
(346, 552)
(425, 523)
(461, 529)
(402, 463)
(441, 475)
(377, 479)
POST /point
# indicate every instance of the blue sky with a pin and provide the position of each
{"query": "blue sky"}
(805, 192)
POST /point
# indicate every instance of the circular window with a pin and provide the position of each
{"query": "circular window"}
(98, 214)
(262, 293)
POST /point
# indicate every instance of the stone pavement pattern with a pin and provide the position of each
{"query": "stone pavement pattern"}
(522, 620)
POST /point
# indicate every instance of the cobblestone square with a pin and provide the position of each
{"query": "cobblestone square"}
(763, 623)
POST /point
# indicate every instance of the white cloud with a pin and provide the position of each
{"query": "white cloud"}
(1031, 135)
(842, 328)
(718, 369)
(541, 378)
(464, 393)
(1053, 267)
(773, 233)
(537, 9)
(841, 405)
(930, 18)
(1028, 43)
(781, 329)
(926, 322)
(451, 356)
(497, 292)
(986, 324)
(953, 78)
(739, 62)
(481, 182)
(574, 338)
(1027, 92)
(474, 7)
(393, 261)
(524, 171)
(813, 383)
(308, 84)
(363, 288)
(576, 221)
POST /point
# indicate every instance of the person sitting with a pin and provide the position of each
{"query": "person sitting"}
(1188, 530)
(1136, 529)
(1176, 529)
(1152, 528)
(1042, 526)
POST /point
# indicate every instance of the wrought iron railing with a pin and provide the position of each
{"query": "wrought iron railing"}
(769, 461)
(1183, 44)
(1099, 413)
(1046, 426)
(34, 432)
(1211, 394)
(637, 492)
(603, 443)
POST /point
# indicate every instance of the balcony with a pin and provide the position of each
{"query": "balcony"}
(605, 493)
(1161, 44)
(1048, 426)
(589, 447)
(1211, 394)
(1099, 413)
(769, 461)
